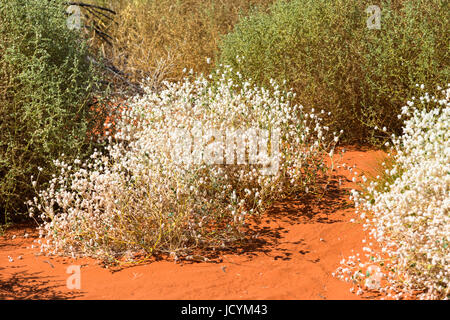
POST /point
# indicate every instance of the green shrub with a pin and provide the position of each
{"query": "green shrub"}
(332, 60)
(46, 91)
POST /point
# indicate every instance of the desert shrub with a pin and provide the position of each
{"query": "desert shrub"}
(158, 39)
(46, 85)
(407, 211)
(163, 184)
(332, 60)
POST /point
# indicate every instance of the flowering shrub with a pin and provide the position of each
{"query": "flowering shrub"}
(408, 214)
(143, 195)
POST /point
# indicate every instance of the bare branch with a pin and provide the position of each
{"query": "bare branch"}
(87, 5)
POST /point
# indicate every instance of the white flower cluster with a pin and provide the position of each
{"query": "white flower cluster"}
(137, 196)
(408, 211)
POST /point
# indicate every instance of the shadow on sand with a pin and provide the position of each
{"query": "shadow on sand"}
(23, 285)
(263, 234)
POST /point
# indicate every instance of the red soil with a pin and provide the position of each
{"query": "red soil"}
(299, 246)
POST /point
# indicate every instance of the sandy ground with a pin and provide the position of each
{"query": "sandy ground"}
(299, 246)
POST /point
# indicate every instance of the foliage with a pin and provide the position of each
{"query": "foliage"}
(46, 91)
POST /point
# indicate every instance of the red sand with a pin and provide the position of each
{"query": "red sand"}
(298, 248)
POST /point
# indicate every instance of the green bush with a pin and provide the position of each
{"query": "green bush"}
(333, 61)
(46, 90)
